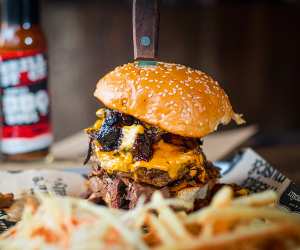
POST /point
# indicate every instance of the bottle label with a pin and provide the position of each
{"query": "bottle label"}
(25, 102)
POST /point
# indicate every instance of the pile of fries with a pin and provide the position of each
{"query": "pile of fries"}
(249, 222)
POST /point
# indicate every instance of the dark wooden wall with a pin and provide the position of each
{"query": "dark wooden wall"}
(251, 49)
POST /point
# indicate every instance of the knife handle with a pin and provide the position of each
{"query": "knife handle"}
(145, 20)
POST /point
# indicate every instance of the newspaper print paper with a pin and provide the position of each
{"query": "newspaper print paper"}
(29, 181)
(54, 181)
(250, 170)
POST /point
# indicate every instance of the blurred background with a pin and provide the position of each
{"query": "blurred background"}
(250, 47)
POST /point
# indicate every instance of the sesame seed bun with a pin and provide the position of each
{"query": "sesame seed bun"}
(173, 97)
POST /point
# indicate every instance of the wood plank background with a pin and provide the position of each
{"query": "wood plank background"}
(251, 49)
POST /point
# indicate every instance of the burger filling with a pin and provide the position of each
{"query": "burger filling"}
(128, 151)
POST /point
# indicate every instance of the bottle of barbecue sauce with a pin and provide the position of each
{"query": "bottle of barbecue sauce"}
(25, 107)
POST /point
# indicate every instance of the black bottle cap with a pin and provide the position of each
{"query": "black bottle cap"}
(31, 11)
(11, 11)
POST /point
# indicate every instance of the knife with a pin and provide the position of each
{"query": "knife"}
(145, 22)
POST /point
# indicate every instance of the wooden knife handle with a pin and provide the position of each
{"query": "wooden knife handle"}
(145, 20)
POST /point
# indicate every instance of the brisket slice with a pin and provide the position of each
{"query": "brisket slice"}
(136, 190)
(119, 192)
(110, 191)
(142, 148)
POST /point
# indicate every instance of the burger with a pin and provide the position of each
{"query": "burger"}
(149, 134)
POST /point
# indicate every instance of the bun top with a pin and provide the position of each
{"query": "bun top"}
(174, 97)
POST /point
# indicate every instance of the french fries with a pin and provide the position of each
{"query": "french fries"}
(244, 223)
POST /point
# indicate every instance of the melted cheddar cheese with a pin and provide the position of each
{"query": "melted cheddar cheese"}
(98, 124)
(166, 157)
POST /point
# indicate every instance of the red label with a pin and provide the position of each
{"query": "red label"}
(25, 101)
